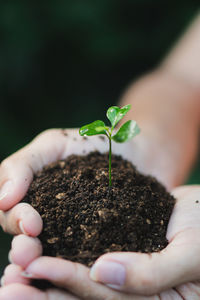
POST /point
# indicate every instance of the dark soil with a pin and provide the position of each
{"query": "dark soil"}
(84, 218)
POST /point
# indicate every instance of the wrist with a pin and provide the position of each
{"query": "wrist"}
(183, 60)
(186, 91)
(167, 111)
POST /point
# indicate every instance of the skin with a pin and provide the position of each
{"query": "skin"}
(164, 149)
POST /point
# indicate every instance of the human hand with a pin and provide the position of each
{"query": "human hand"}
(16, 174)
(174, 272)
(17, 171)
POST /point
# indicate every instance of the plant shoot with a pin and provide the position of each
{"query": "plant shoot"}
(126, 132)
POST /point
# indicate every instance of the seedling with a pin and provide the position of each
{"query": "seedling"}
(126, 132)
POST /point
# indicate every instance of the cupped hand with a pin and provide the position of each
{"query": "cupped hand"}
(174, 273)
(176, 267)
(17, 171)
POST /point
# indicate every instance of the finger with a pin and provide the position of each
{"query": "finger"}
(24, 250)
(22, 218)
(75, 278)
(12, 274)
(149, 274)
(22, 292)
(66, 274)
(190, 290)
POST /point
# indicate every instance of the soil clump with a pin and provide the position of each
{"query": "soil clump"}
(84, 218)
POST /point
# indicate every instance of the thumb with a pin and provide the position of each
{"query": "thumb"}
(148, 274)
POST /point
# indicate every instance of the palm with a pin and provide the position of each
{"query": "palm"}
(184, 241)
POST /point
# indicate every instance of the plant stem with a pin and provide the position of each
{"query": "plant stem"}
(110, 153)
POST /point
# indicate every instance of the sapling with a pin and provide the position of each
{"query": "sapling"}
(126, 132)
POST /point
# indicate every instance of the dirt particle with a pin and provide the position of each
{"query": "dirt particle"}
(60, 196)
(69, 231)
(197, 201)
(53, 240)
(104, 213)
(64, 132)
(102, 137)
(83, 227)
(62, 164)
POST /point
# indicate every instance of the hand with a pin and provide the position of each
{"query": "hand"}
(17, 171)
(16, 174)
(178, 265)
(174, 272)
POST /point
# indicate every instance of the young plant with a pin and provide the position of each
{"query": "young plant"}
(126, 132)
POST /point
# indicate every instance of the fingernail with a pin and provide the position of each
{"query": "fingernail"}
(9, 257)
(2, 280)
(108, 272)
(26, 274)
(21, 227)
(5, 189)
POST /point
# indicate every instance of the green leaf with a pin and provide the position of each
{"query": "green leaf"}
(94, 128)
(115, 114)
(126, 132)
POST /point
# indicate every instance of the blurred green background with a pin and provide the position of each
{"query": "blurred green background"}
(62, 63)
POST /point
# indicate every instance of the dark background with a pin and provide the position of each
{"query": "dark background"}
(62, 63)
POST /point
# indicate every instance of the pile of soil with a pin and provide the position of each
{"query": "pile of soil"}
(84, 217)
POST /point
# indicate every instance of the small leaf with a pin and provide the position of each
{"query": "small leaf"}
(115, 114)
(96, 127)
(126, 132)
